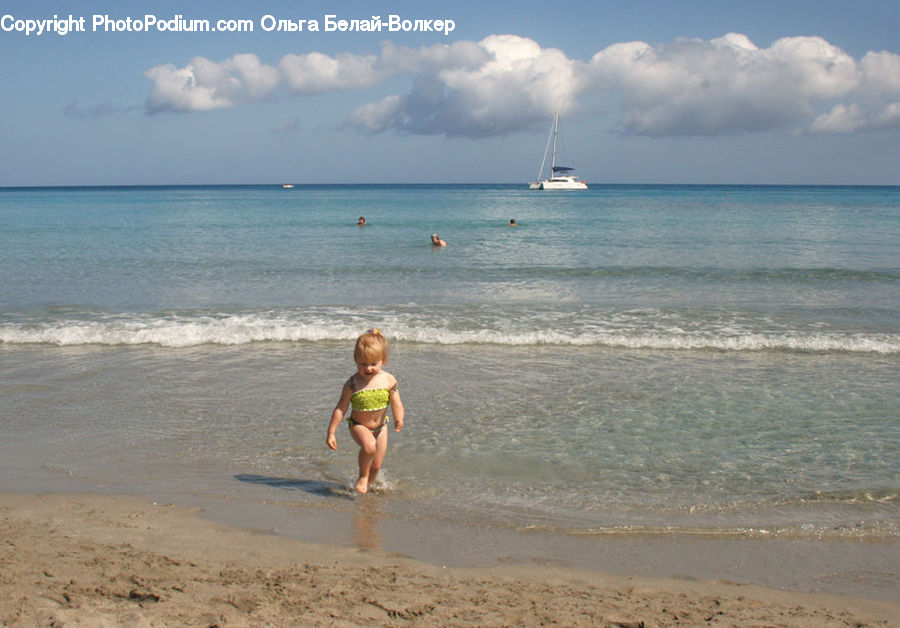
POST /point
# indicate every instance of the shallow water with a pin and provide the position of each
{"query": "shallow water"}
(712, 360)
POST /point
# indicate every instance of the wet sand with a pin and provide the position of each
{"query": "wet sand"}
(92, 560)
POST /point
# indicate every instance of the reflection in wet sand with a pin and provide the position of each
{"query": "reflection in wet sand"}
(365, 524)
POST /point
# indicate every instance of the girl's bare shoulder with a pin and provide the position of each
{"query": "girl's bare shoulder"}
(390, 379)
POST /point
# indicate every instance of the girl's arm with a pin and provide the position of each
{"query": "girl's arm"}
(396, 407)
(337, 415)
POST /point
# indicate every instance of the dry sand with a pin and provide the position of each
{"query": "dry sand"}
(87, 560)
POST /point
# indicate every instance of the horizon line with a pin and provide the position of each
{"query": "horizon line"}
(412, 184)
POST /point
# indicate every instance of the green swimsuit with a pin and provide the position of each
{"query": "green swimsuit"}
(370, 400)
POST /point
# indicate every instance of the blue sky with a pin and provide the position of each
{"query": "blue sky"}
(705, 91)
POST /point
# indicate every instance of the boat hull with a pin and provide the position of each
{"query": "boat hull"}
(558, 183)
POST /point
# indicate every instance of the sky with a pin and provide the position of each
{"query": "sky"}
(656, 91)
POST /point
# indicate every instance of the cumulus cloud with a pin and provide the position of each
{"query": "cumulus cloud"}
(204, 85)
(201, 85)
(876, 100)
(315, 72)
(512, 83)
(507, 83)
(728, 85)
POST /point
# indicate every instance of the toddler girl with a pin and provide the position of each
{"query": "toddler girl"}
(370, 391)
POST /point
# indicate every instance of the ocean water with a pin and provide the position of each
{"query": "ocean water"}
(713, 360)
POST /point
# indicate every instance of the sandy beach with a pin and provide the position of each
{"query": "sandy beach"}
(90, 560)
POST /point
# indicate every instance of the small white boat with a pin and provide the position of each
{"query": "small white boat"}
(287, 186)
(561, 177)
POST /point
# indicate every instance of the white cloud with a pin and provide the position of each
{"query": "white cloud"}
(725, 85)
(504, 85)
(841, 119)
(316, 73)
(183, 89)
(203, 85)
(881, 71)
(379, 116)
(876, 103)
(507, 83)
(254, 78)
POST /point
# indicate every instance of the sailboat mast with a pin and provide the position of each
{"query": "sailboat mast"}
(546, 150)
(555, 132)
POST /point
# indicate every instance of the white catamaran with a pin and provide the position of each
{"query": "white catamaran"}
(561, 177)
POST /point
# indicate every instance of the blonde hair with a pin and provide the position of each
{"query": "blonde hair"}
(371, 346)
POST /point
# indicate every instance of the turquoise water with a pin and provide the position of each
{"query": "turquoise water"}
(721, 359)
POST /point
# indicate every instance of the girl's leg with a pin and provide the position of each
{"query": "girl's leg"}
(381, 442)
(368, 448)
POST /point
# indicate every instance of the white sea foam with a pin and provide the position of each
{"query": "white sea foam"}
(172, 332)
(178, 331)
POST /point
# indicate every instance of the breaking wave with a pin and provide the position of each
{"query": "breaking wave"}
(641, 329)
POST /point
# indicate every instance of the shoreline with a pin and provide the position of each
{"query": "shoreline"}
(122, 559)
(864, 568)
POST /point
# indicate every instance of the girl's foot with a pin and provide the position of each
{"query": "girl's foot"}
(362, 485)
